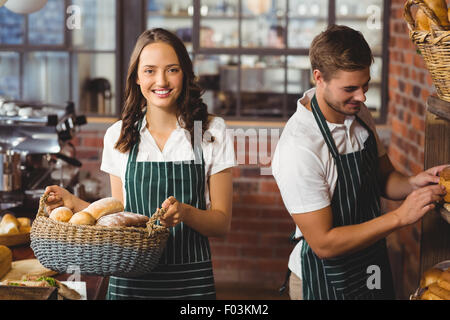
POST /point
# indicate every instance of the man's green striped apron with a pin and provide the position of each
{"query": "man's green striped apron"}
(356, 199)
(185, 269)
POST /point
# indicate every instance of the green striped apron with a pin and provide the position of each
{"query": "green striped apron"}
(185, 269)
(356, 199)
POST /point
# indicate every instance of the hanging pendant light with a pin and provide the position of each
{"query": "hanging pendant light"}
(25, 6)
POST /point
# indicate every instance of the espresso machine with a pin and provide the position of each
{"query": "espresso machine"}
(35, 151)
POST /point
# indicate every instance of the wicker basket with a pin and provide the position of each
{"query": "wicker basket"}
(434, 46)
(96, 250)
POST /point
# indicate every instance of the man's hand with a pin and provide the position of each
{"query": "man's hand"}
(427, 177)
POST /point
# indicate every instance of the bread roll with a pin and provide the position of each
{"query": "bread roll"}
(82, 218)
(9, 224)
(444, 280)
(61, 214)
(24, 229)
(444, 180)
(428, 295)
(5, 260)
(123, 219)
(104, 206)
(430, 276)
(440, 292)
(24, 222)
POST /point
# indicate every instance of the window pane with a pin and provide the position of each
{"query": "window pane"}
(263, 23)
(46, 77)
(218, 79)
(262, 86)
(219, 21)
(12, 27)
(307, 18)
(94, 84)
(175, 16)
(46, 26)
(365, 16)
(299, 80)
(98, 25)
(9, 75)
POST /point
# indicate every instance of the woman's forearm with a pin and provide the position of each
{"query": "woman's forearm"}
(79, 204)
(210, 223)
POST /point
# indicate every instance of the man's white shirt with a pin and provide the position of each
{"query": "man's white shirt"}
(303, 166)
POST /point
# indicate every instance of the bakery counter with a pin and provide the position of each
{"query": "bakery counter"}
(96, 286)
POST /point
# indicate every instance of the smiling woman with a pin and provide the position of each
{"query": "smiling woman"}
(154, 161)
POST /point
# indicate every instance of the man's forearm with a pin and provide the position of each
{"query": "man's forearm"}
(397, 186)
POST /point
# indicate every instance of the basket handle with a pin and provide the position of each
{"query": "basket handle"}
(151, 224)
(41, 211)
(428, 12)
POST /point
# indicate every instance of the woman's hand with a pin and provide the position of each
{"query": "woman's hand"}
(59, 197)
(176, 212)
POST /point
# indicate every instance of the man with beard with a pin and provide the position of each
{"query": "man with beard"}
(332, 169)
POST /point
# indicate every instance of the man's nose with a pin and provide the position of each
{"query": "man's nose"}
(360, 95)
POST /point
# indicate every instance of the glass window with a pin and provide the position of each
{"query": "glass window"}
(12, 27)
(307, 18)
(219, 24)
(98, 25)
(46, 26)
(263, 23)
(45, 77)
(175, 16)
(218, 77)
(9, 75)
(94, 82)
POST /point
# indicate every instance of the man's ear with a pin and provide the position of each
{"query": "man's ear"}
(318, 77)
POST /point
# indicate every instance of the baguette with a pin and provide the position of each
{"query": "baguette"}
(5, 260)
(104, 207)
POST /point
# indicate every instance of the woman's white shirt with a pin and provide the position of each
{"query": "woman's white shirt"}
(218, 155)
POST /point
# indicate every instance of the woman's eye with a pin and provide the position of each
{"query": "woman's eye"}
(173, 70)
(148, 71)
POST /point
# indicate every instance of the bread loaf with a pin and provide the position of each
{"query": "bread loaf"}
(9, 224)
(5, 260)
(430, 276)
(440, 292)
(82, 218)
(422, 21)
(104, 206)
(61, 214)
(123, 219)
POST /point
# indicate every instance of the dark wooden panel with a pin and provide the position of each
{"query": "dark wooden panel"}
(435, 242)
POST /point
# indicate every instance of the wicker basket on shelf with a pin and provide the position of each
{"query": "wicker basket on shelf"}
(97, 250)
(433, 45)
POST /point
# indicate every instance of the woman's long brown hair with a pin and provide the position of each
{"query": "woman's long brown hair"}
(190, 104)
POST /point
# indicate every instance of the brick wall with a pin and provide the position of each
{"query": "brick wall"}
(409, 87)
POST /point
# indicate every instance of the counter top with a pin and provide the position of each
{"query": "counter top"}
(96, 286)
